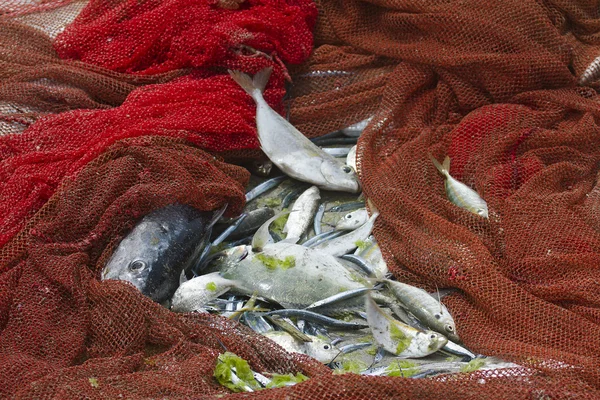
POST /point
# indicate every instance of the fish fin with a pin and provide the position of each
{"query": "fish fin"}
(182, 278)
(292, 240)
(217, 216)
(446, 164)
(252, 85)
(261, 79)
(437, 164)
(373, 207)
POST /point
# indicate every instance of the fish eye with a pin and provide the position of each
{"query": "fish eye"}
(137, 265)
(449, 328)
(346, 169)
(349, 216)
(437, 316)
(433, 336)
(326, 347)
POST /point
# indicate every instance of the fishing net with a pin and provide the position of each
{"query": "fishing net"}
(109, 110)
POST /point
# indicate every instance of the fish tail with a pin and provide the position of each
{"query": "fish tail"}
(252, 86)
(446, 164)
(440, 167)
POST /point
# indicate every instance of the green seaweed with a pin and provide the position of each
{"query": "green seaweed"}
(218, 248)
(223, 370)
(400, 337)
(350, 367)
(371, 350)
(473, 365)
(211, 286)
(94, 382)
(272, 263)
(278, 380)
(278, 224)
(361, 244)
(271, 202)
(402, 368)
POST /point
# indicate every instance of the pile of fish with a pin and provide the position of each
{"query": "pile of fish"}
(300, 265)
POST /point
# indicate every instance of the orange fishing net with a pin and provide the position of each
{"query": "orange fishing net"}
(493, 85)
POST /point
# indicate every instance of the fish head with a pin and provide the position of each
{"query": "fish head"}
(482, 212)
(229, 257)
(322, 350)
(435, 341)
(352, 221)
(445, 319)
(340, 176)
(262, 168)
(137, 255)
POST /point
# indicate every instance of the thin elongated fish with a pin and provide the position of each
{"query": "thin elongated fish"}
(302, 214)
(399, 338)
(318, 318)
(249, 225)
(460, 194)
(319, 349)
(289, 149)
(352, 220)
(195, 293)
(425, 307)
(162, 245)
(348, 242)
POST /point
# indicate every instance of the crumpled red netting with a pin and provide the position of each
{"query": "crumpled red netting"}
(492, 85)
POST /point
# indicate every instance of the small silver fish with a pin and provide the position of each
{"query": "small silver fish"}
(288, 148)
(460, 194)
(398, 338)
(348, 242)
(302, 214)
(195, 293)
(355, 130)
(317, 348)
(425, 307)
(352, 220)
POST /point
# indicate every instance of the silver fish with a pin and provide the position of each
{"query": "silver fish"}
(352, 220)
(355, 130)
(425, 307)
(289, 149)
(460, 194)
(289, 274)
(337, 152)
(319, 349)
(302, 214)
(162, 245)
(398, 338)
(249, 225)
(348, 242)
(194, 294)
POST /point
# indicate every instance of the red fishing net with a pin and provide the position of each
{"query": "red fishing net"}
(492, 85)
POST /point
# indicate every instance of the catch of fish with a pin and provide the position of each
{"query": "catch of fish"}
(300, 265)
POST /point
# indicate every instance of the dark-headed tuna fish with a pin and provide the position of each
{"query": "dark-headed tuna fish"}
(162, 245)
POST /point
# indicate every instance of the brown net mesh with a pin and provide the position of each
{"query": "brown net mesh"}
(493, 85)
